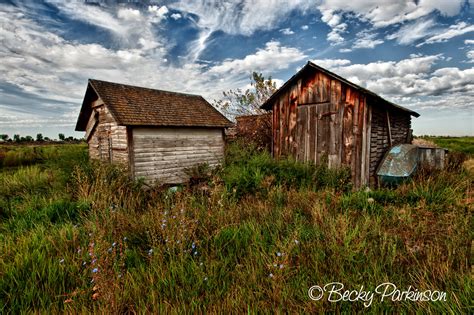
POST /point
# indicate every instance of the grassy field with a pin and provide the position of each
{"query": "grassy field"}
(252, 236)
(456, 144)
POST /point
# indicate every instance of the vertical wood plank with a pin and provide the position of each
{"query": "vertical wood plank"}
(312, 134)
(299, 133)
(364, 142)
(307, 135)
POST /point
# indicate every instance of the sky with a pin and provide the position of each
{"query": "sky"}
(416, 53)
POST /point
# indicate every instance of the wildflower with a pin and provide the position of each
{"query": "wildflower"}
(195, 253)
(174, 217)
(193, 246)
(271, 275)
(177, 242)
(95, 270)
(125, 239)
(201, 263)
(281, 266)
(150, 252)
(297, 242)
(61, 261)
(93, 261)
(279, 254)
(79, 250)
(84, 263)
(120, 275)
(205, 278)
(110, 250)
(113, 244)
(274, 265)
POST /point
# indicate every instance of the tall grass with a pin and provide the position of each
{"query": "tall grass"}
(253, 238)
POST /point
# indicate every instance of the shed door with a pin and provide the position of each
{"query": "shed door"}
(318, 134)
(163, 154)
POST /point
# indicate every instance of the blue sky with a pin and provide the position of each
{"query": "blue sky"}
(419, 54)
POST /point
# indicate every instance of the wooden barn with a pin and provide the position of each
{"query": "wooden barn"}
(157, 134)
(320, 116)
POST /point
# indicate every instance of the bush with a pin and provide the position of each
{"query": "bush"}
(248, 170)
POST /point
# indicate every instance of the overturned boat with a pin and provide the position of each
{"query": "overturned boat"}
(398, 165)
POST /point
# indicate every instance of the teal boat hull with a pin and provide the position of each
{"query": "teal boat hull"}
(398, 165)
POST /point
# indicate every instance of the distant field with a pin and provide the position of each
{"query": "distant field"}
(251, 237)
(459, 144)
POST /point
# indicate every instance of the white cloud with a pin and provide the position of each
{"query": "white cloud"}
(446, 34)
(413, 77)
(381, 13)
(304, 27)
(366, 39)
(287, 31)
(331, 63)
(469, 42)
(273, 56)
(159, 13)
(387, 12)
(128, 25)
(337, 27)
(129, 14)
(176, 16)
(411, 32)
(470, 56)
(241, 17)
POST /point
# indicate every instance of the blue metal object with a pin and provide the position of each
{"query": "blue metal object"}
(399, 164)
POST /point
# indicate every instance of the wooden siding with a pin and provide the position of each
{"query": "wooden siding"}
(381, 134)
(107, 140)
(319, 118)
(162, 154)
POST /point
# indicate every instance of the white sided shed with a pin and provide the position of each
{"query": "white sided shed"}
(157, 134)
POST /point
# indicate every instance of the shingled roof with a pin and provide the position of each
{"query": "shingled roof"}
(139, 106)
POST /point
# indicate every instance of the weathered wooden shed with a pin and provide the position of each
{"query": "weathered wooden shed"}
(318, 115)
(157, 134)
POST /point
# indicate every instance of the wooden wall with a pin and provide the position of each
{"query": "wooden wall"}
(107, 140)
(319, 118)
(400, 124)
(163, 154)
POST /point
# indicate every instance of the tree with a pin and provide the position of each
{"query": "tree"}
(16, 138)
(4, 137)
(29, 138)
(237, 102)
(39, 137)
(258, 128)
(61, 136)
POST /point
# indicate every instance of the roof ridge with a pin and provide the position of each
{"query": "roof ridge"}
(337, 77)
(146, 88)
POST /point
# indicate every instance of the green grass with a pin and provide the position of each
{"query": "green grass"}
(457, 144)
(77, 236)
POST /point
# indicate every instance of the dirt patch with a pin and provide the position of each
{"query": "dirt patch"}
(423, 142)
(469, 165)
